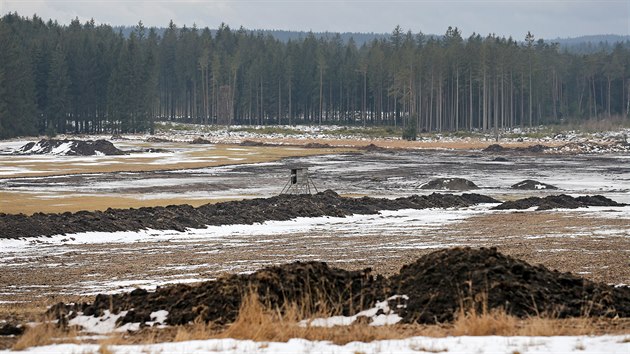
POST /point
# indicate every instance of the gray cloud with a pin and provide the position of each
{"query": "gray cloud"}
(560, 18)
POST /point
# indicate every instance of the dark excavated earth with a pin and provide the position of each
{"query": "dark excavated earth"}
(76, 147)
(181, 217)
(281, 207)
(454, 184)
(620, 146)
(558, 201)
(437, 285)
(530, 184)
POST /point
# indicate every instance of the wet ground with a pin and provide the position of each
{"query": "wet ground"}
(594, 243)
(388, 174)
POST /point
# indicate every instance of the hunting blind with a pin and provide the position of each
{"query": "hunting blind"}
(299, 182)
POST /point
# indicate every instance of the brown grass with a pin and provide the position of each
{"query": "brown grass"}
(13, 202)
(104, 349)
(475, 319)
(259, 323)
(44, 334)
(263, 324)
(498, 322)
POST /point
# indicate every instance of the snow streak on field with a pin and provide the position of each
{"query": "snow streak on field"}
(98, 262)
(209, 243)
(482, 345)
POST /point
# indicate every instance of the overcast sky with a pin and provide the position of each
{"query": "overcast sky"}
(545, 19)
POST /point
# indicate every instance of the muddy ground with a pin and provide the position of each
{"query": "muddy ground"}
(595, 245)
(377, 174)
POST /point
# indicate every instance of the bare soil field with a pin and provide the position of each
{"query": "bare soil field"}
(570, 241)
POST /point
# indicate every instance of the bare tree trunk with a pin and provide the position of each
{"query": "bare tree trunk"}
(485, 101)
(530, 92)
(495, 85)
(522, 116)
(609, 92)
(431, 104)
(457, 99)
(290, 105)
(470, 91)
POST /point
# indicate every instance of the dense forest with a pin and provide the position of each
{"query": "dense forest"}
(84, 78)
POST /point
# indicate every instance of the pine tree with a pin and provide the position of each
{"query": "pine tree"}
(57, 93)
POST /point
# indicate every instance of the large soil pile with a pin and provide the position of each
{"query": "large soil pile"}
(569, 148)
(181, 217)
(71, 147)
(530, 184)
(533, 149)
(454, 184)
(436, 285)
(558, 201)
(313, 285)
(439, 282)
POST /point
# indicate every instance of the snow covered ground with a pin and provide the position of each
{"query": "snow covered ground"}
(608, 344)
(212, 241)
(384, 222)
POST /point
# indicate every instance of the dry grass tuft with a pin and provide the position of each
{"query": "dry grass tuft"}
(104, 349)
(44, 334)
(474, 319)
(263, 324)
(487, 323)
(197, 331)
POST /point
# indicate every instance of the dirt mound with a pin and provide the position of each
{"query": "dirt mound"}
(495, 148)
(155, 139)
(533, 149)
(252, 143)
(70, 147)
(181, 217)
(454, 184)
(530, 184)
(313, 285)
(11, 329)
(434, 289)
(569, 148)
(317, 146)
(439, 282)
(373, 148)
(200, 140)
(558, 201)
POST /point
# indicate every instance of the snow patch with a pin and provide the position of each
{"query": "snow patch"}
(610, 344)
(107, 323)
(379, 315)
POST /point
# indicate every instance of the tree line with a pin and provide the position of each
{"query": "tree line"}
(87, 78)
